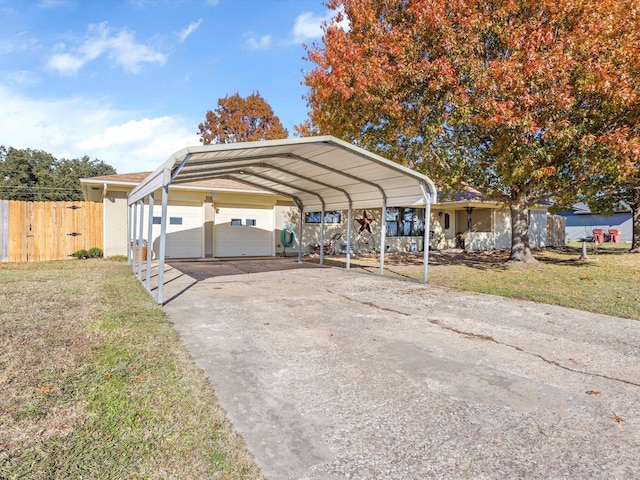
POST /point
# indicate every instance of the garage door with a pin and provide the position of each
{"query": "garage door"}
(243, 232)
(184, 231)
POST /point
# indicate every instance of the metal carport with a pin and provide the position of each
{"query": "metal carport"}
(317, 173)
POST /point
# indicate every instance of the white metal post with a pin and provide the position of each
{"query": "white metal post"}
(133, 235)
(140, 235)
(349, 220)
(383, 235)
(163, 242)
(322, 238)
(129, 235)
(149, 237)
(427, 228)
(300, 235)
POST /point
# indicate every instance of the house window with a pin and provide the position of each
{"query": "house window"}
(157, 220)
(330, 216)
(251, 222)
(405, 222)
(447, 221)
(236, 222)
(175, 220)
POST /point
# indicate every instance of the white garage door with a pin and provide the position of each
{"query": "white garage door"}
(184, 231)
(243, 232)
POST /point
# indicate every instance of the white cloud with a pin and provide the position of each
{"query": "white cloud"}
(66, 64)
(308, 25)
(212, 2)
(76, 126)
(193, 26)
(254, 43)
(120, 47)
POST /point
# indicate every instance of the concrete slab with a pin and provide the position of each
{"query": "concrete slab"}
(334, 374)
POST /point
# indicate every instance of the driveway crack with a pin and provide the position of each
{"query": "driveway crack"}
(537, 355)
(369, 304)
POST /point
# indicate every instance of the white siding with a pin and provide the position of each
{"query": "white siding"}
(537, 228)
(115, 224)
(502, 229)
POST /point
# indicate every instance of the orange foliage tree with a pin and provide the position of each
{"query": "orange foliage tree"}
(523, 99)
(240, 119)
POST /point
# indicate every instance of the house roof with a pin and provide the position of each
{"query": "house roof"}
(468, 196)
(94, 188)
(583, 209)
(317, 173)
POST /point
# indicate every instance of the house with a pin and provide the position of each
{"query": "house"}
(581, 222)
(213, 218)
(482, 224)
(226, 218)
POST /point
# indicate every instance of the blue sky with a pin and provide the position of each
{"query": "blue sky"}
(128, 81)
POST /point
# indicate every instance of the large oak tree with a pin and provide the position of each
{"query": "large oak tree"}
(240, 119)
(523, 99)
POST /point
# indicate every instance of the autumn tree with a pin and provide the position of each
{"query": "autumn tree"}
(240, 119)
(523, 99)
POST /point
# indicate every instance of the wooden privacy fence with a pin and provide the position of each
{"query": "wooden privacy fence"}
(41, 231)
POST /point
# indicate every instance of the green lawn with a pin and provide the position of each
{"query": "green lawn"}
(94, 382)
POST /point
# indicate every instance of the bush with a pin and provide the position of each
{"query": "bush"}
(95, 252)
(81, 254)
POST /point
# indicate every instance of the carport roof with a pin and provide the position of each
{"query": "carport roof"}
(318, 173)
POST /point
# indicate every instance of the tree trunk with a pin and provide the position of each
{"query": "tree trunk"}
(635, 221)
(520, 250)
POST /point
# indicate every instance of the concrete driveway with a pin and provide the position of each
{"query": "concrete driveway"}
(335, 374)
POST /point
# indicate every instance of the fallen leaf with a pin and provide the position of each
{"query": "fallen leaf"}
(142, 378)
(44, 389)
(618, 419)
(267, 323)
(593, 392)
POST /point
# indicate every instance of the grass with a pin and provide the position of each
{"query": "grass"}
(609, 283)
(94, 382)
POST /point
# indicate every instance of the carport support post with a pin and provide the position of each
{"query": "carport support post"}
(133, 235)
(322, 238)
(163, 240)
(300, 235)
(141, 234)
(147, 282)
(129, 235)
(349, 220)
(425, 243)
(383, 236)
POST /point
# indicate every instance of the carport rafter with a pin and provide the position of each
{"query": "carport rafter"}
(187, 178)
